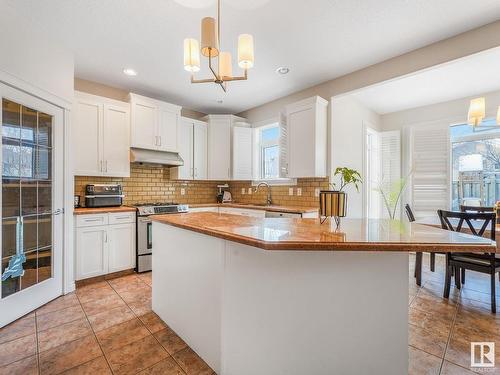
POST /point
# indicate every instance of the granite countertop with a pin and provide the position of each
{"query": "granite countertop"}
(309, 234)
(102, 210)
(274, 208)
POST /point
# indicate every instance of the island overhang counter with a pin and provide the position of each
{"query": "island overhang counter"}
(291, 296)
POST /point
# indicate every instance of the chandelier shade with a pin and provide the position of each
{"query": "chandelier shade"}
(477, 111)
(191, 55)
(209, 37)
(225, 65)
(245, 51)
(222, 72)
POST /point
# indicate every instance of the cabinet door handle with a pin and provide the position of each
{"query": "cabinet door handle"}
(92, 220)
(160, 140)
(100, 168)
(106, 166)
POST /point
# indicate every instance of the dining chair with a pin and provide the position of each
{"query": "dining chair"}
(464, 208)
(418, 255)
(484, 263)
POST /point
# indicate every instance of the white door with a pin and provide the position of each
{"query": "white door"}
(242, 153)
(144, 125)
(91, 251)
(32, 203)
(121, 247)
(219, 149)
(200, 151)
(167, 130)
(86, 135)
(116, 141)
(301, 143)
(185, 172)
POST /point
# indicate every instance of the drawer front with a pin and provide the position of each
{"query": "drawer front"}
(91, 220)
(242, 211)
(122, 217)
(276, 214)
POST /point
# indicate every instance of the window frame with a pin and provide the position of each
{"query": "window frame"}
(259, 147)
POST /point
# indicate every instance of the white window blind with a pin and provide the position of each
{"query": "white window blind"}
(429, 155)
(390, 156)
(283, 143)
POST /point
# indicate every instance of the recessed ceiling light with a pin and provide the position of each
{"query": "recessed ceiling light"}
(130, 72)
(219, 101)
(282, 70)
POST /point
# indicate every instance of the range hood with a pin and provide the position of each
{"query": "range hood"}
(139, 155)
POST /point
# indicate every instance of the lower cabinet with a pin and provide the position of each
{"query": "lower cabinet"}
(104, 244)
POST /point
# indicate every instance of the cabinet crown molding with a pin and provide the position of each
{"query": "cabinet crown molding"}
(159, 103)
(313, 100)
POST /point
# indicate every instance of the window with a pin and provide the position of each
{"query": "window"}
(267, 155)
(475, 159)
(269, 152)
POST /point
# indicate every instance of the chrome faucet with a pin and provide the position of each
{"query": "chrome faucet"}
(269, 198)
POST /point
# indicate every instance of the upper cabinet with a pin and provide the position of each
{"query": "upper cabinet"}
(101, 136)
(192, 149)
(155, 124)
(220, 145)
(306, 127)
(242, 152)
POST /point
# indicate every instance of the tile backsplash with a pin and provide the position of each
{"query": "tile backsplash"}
(280, 194)
(151, 183)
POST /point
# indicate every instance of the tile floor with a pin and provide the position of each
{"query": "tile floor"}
(108, 328)
(104, 328)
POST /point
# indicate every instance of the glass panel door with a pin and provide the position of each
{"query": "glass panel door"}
(26, 203)
(31, 233)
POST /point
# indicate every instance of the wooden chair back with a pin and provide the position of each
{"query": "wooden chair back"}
(488, 219)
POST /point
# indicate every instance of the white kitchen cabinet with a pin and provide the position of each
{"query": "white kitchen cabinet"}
(242, 153)
(200, 150)
(101, 139)
(204, 209)
(193, 150)
(121, 247)
(154, 124)
(307, 138)
(242, 211)
(219, 145)
(91, 252)
(105, 243)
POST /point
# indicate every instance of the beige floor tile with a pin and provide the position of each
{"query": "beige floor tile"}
(59, 303)
(96, 294)
(452, 369)
(26, 366)
(98, 306)
(426, 340)
(170, 341)
(98, 366)
(422, 363)
(22, 327)
(191, 363)
(17, 349)
(56, 318)
(122, 334)
(109, 318)
(65, 357)
(63, 334)
(137, 356)
(166, 367)
(153, 322)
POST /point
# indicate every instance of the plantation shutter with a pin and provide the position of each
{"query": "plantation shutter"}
(430, 172)
(390, 156)
(283, 143)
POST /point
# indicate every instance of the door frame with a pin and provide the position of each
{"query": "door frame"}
(68, 177)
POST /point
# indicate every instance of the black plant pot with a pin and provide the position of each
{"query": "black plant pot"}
(332, 203)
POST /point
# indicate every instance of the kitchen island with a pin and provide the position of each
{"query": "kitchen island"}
(291, 296)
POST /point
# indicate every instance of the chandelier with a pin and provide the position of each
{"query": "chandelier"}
(477, 112)
(210, 48)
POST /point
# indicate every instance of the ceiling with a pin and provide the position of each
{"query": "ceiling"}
(318, 40)
(472, 75)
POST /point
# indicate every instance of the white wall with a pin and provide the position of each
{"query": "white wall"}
(347, 142)
(452, 111)
(31, 58)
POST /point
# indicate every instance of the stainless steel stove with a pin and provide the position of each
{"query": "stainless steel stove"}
(144, 229)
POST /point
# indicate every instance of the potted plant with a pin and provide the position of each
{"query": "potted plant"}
(333, 203)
